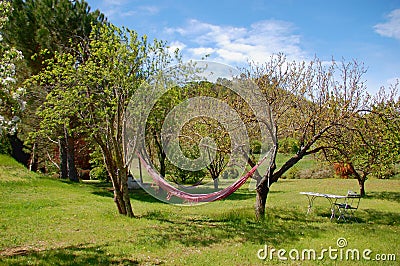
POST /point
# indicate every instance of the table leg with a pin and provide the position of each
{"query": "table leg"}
(332, 207)
(310, 203)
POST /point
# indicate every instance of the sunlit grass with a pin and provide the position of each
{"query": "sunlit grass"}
(50, 222)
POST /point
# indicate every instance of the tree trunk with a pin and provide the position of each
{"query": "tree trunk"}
(72, 173)
(121, 193)
(360, 178)
(33, 161)
(361, 183)
(261, 200)
(216, 181)
(123, 175)
(272, 177)
(63, 158)
(162, 157)
(140, 171)
(161, 154)
(119, 179)
(119, 200)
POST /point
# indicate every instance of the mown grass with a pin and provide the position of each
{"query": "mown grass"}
(50, 222)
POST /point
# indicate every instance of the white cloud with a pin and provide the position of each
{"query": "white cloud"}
(128, 13)
(150, 10)
(391, 28)
(177, 45)
(229, 44)
(120, 8)
(201, 51)
(114, 2)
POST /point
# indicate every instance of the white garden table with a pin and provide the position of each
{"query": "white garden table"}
(330, 197)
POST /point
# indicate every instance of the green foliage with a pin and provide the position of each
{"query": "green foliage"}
(98, 171)
(52, 25)
(255, 147)
(193, 131)
(39, 29)
(368, 145)
(5, 146)
(185, 177)
(230, 172)
(292, 173)
(386, 171)
(89, 95)
(289, 145)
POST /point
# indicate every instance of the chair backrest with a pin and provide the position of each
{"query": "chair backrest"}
(353, 199)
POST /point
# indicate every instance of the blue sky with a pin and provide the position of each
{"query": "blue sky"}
(233, 32)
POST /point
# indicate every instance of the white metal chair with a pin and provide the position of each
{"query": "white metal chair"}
(349, 206)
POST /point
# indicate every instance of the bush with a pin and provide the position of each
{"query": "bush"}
(99, 173)
(316, 173)
(232, 173)
(255, 147)
(5, 146)
(292, 173)
(184, 177)
(289, 145)
(386, 172)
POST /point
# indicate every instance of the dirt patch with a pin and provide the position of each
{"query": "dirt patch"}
(18, 251)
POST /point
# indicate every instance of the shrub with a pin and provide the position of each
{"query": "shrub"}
(5, 146)
(184, 177)
(231, 172)
(255, 147)
(289, 145)
(99, 173)
(292, 173)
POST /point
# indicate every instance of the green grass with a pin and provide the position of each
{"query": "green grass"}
(50, 222)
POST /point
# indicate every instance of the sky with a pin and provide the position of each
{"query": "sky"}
(235, 32)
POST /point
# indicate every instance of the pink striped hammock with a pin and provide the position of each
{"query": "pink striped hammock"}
(195, 198)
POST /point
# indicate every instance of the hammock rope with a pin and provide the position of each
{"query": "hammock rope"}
(196, 198)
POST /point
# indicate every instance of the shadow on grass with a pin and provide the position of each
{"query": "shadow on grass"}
(71, 255)
(234, 226)
(142, 195)
(371, 216)
(137, 194)
(385, 195)
(367, 216)
(103, 193)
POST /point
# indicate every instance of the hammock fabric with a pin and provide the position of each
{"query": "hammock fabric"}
(194, 198)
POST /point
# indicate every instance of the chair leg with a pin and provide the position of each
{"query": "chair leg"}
(341, 214)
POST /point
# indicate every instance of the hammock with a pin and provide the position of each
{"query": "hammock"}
(195, 198)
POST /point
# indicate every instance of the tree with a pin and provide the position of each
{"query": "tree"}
(11, 102)
(199, 128)
(193, 130)
(98, 90)
(52, 26)
(154, 125)
(307, 102)
(369, 144)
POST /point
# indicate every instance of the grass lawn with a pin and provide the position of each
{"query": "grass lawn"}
(50, 222)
